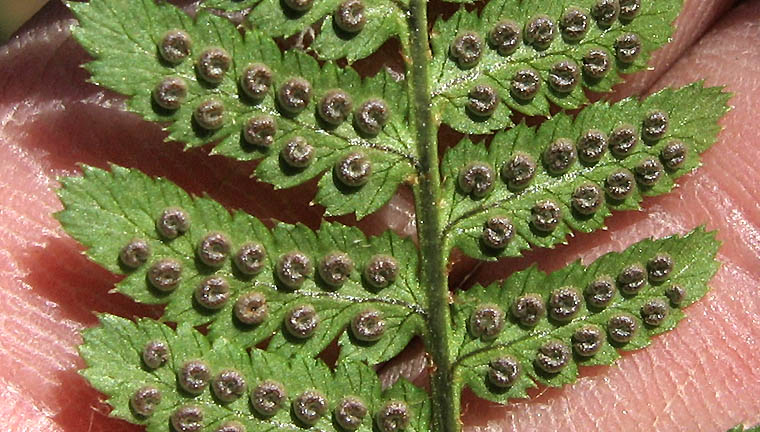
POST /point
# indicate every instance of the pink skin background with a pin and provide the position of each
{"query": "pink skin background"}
(704, 376)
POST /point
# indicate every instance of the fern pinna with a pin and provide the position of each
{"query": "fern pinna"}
(270, 299)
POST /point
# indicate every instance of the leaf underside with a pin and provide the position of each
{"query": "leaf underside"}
(123, 37)
(110, 211)
(113, 352)
(127, 205)
(117, 199)
(693, 112)
(452, 82)
(694, 264)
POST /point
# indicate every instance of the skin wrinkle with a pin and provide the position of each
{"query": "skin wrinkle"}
(741, 323)
(588, 411)
(681, 386)
(729, 375)
(741, 175)
(691, 373)
(666, 412)
(737, 194)
(36, 417)
(745, 231)
(705, 370)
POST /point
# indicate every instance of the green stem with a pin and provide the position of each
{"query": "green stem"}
(445, 398)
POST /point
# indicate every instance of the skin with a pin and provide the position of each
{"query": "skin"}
(698, 377)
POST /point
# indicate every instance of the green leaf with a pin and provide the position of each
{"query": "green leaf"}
(384, 19)
(452, 83)
(122, 36)
(113, 353)
(126, 205)
(693, 256)
(693, 113)
(116, 214)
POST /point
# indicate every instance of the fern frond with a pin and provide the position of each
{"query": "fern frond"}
(224, 382)
(126, 43)
(556, 63)
(580, 308)
(108, 211)
(522, 176)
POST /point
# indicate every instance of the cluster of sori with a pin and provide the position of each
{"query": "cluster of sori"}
(290, 269)
(267, 398)
(539, 32)
(292, 97)
(487, 321)
(478, 179)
